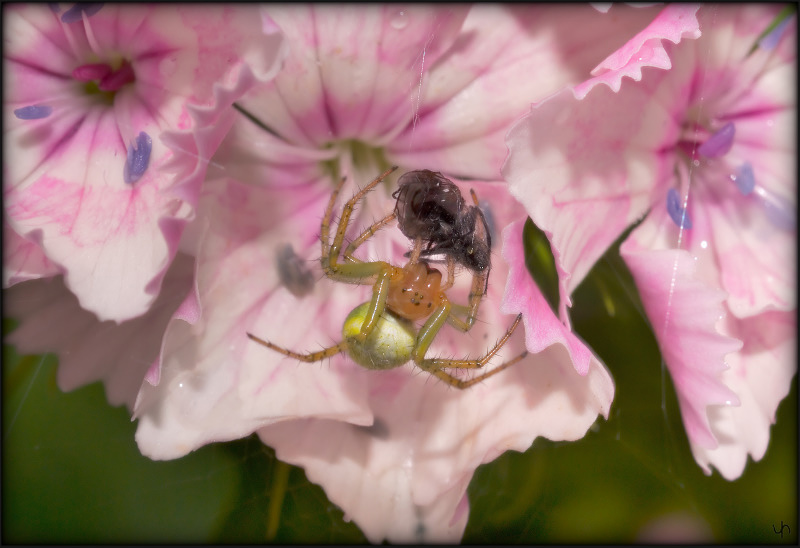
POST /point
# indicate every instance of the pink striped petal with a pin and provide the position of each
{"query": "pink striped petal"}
(685, 311)
(761, 375)
(592, 174)
(467, 104)
(51, 320)
(351, 71)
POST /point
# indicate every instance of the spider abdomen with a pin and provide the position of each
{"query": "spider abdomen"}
(389, 345)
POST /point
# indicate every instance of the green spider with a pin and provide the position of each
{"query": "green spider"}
(381, 333)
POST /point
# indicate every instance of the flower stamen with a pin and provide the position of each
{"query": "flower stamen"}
(779, 210)
(138, 158)
(75, 13)
(33, 112)
(744, 179)
(770, 41)
(677, 212)
(719, 143)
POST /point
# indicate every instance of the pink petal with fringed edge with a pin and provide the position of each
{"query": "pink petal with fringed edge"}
(375, 495)
(761, 375)
(215, 384)
(592, 174)
(646, 49)
(542, 328)
(51, 320)
(403, 479)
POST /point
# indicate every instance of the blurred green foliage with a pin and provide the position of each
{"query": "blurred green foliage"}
(72, 472)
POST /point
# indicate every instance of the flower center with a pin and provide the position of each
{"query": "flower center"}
(364, 160)
(703, 148)
(103, 80)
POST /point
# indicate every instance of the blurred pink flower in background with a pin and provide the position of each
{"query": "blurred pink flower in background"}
(702, 141)
(90, 189)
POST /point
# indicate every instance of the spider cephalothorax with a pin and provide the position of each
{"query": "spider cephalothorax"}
(380, 333)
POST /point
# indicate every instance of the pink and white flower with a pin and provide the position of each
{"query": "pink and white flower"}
(699, 135)
(90, 92)
(363, 88)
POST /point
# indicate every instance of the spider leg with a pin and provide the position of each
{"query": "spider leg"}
(474, 197)
(479, 282)
(325, 227)
(451, 273)
(435, 366)
(309, 358)
(366, 235)
(330, 259)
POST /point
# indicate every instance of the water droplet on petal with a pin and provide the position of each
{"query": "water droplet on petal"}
(399, 21)
(704, 244)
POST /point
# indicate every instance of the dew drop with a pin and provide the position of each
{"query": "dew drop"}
(399, 21)
(704, 244)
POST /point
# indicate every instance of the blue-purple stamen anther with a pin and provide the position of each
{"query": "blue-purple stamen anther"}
(719, 143)
(676, 212)
(75, 13)
(33, 112)
(780, 211)
(744, 179)
(770, 41)
(138, 158)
